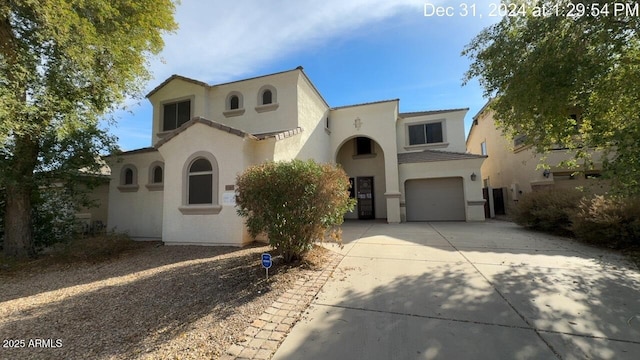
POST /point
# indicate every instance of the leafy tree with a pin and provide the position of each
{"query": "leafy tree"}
(294, 203)
(569, 79)
(63, 65)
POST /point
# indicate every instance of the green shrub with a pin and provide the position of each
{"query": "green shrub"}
(294, 203)
(547, 210)
(52, 217)
(608, 221)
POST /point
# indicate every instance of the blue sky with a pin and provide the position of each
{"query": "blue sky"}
(354, 51)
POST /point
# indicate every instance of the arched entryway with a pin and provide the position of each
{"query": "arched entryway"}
(362, 158)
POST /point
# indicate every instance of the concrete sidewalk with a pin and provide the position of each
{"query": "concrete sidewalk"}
(469, 291)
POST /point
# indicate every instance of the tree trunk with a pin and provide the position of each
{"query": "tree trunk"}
(18, 239)
(18, 236)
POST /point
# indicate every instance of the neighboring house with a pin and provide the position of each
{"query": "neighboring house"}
(512, 168)
(403, 166)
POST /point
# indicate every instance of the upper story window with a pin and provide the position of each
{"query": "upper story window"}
(483, 148)
(519, 140)
(234, 102)
(175, 114)
(364, 146)
(267, 97)
(429, 133)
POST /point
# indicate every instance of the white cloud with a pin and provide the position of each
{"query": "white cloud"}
(223, 40)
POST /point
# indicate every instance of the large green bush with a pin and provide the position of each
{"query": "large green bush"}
(547, 210)
(53, 217)
(294, 203)
(608, 221)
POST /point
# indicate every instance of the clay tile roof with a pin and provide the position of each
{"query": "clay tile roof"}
(173, 77)
(278, 135)
(435, 155)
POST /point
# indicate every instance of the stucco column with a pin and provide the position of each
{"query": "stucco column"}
(393, 207)
(392, 193)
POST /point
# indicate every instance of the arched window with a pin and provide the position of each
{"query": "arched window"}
(234, 102)
(157, 175)
(128, 176)
(267, 97)
(200, 184)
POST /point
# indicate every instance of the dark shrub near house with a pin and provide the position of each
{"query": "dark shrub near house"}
(608, 221)
(548, 210)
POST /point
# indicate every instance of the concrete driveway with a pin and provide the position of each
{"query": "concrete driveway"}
(470, 291)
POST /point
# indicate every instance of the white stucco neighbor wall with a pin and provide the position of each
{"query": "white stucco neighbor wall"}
(136, 211)
(378, 122)
(474, 203)
(233, 155)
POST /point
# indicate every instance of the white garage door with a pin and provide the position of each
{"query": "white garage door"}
(434, 199)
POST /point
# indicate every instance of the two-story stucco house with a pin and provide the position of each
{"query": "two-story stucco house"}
(512, 168)
(403, 166)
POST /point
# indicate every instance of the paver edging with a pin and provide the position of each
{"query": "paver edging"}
(265, 334)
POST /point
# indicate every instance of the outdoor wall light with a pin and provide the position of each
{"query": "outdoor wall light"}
(473, 176)
(546, 173)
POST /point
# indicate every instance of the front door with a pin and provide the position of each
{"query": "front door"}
(364, 188)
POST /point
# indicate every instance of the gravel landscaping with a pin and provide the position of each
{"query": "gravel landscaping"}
(157, 302)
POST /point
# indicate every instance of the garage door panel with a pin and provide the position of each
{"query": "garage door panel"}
(435, 199)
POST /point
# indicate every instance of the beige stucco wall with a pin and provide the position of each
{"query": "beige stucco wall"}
(176, 90)
(233, 155)
(138, 213)
(366, 165)
(376, 121)
(474, 204)
(314, 141)
(252, 121)
(518, 170)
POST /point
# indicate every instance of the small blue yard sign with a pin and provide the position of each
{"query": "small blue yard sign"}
(266, 260)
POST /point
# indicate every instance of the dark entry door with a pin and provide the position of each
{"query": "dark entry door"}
(498, 201)
(487, 209)
(364, 188)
